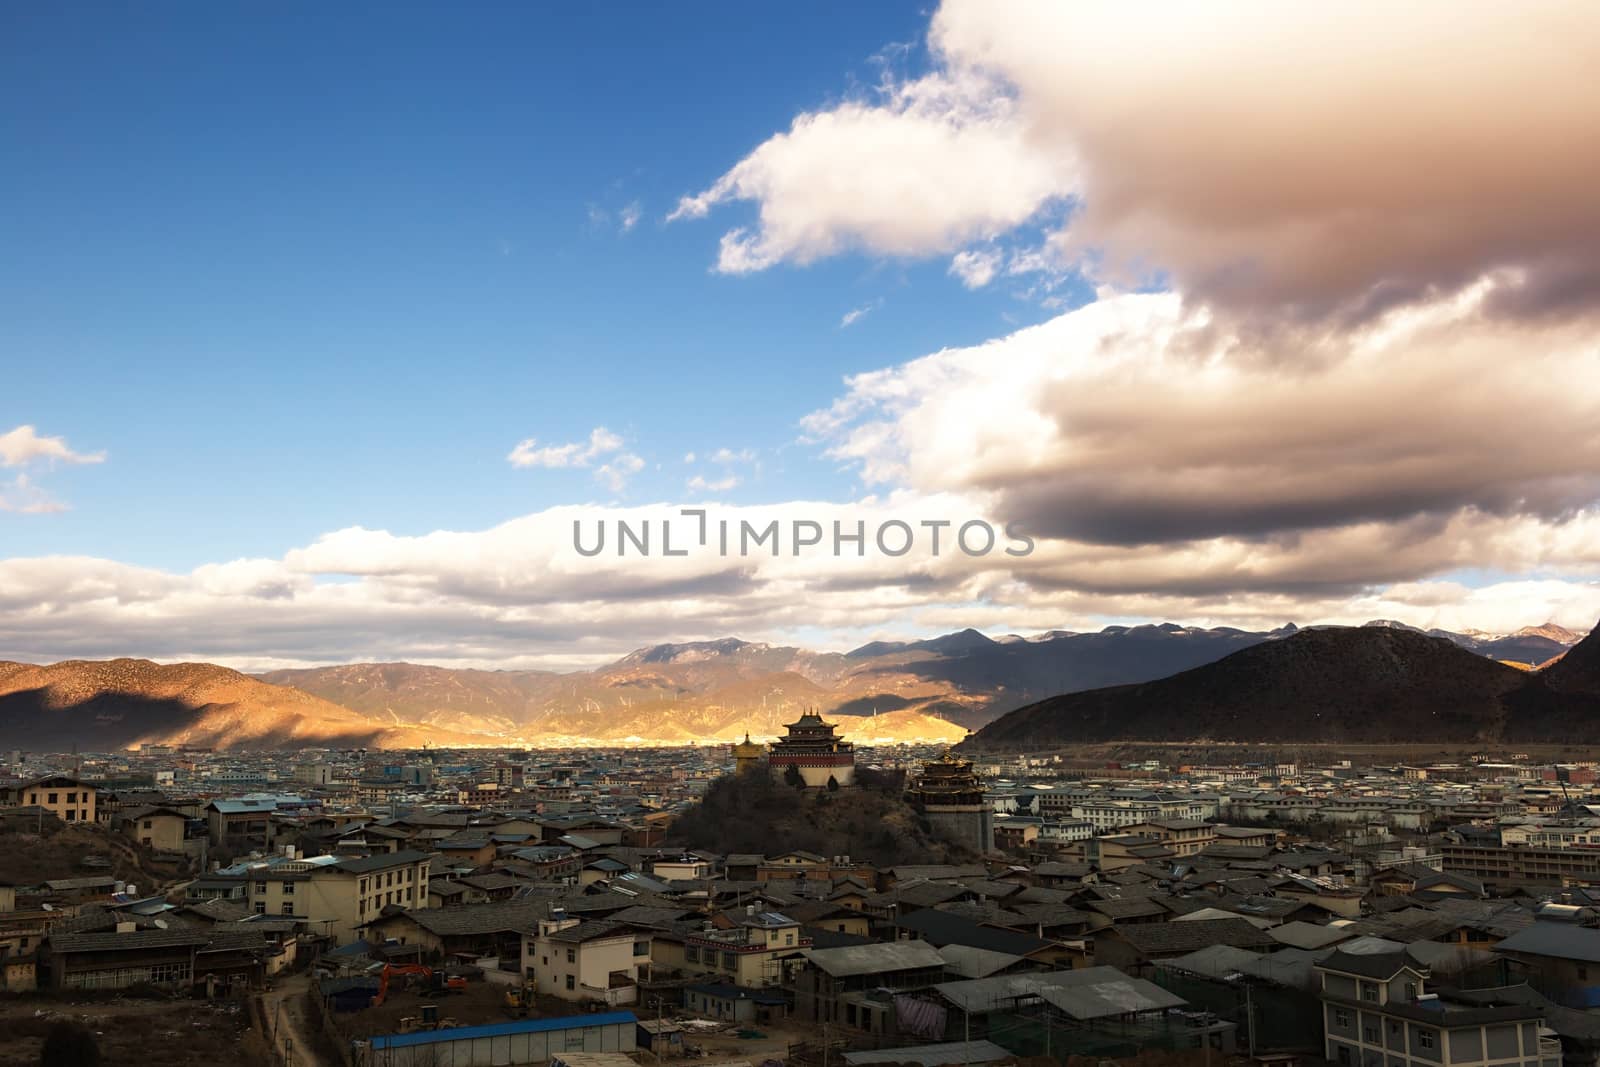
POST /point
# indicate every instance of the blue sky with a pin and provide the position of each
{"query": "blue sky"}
(317, 322)
(303, 270)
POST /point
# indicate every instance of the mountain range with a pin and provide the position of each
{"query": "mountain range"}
(930, 690)
(1372, 684)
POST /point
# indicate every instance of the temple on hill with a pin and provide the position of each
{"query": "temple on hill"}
(951, 797)
(812, 747)
(747, 755)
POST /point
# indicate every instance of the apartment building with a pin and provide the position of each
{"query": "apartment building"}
(65, 797)
(1184, 837)
(337, 897)
(1523, 865)
(1375, 1012)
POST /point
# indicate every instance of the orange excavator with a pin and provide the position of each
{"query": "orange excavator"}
(437, 981)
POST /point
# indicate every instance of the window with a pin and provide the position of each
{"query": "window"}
(1425, 1039)
(641, 948)
(363, 889)
(52, 798)
(72, 816)
(1369, 992)
(571, 982)
(288, 889)
(1583, 973)
(261, 907)
(1370, 1034)
(287, 909)
(147, 824)
(1341, 1017)
(1344, 1056)
(72, 798)
(691, 953)
(261, 887)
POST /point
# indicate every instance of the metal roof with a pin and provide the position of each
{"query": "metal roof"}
(1004, 991)
(874, 958)
(1105, 992)
(521, 1026)
(1561, 941)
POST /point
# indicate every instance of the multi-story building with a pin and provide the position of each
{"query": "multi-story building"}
(1184, 836)
(750, 953)
(1376, 1013)
(337, 897)
(597, 960)
(1523, 865)
(67, 798)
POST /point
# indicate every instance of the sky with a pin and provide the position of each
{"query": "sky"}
(320, 329)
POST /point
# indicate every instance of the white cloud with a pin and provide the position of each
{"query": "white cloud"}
(923, 168)
(855, 315)
(21, 496)
(1291, 160)
(1138, 420)
(602, 443)
(529, 453)
(700, 484)
(24, 445)
(519, 595)
(615, 473)
(975, 267)
(729, 456)
(629, 216)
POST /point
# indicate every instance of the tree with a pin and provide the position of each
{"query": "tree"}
(69, 1044)
(833, 784)
(793, 777)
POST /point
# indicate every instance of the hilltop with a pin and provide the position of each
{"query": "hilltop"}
(1367, 684)
(116, 703)
(752, 813)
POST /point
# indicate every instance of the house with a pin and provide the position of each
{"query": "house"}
(160, 828)
(488, 929)
(1565, 958)
(838, 985)
(1375, 1011)
(941, 928)
(1133, 948)
(748, 951)
(124, 956)
(736, 1004)
(65, 797)
(594, 960)
(240, 822)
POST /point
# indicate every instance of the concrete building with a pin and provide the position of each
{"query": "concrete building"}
(160, 828)
(64, 797)
(1375, 1011)
(596, 961)
(338, 897)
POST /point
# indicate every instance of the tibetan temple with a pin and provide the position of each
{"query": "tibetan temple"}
(951, 797)
(813, 748)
